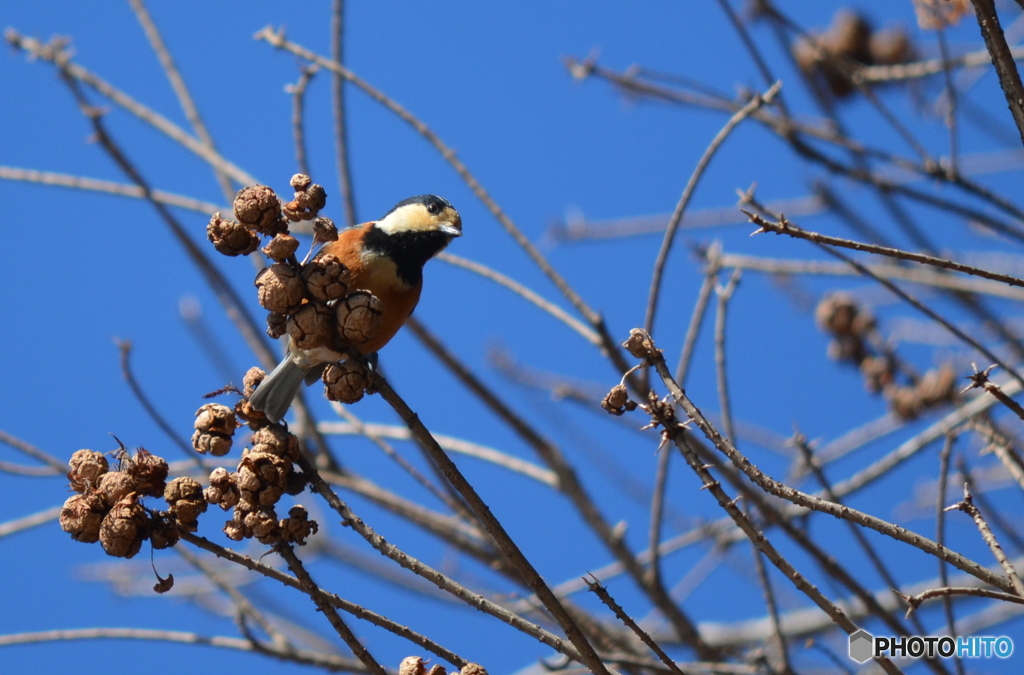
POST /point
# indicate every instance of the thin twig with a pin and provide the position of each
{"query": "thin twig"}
(124, 347)
(915, 601)
(697, 318)
(602, 592)
(326, 661)
(799, 498)
(967, 506)
(324, 605)
(919, 69)
(188, 105)
(26, 522)
(298, 92)
(724, 295)
(691, 185)
(32, 451)
(940, 539)
(1002, 59)
(348, 198)
(772, 606)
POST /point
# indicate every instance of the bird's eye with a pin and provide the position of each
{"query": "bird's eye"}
(433, 208)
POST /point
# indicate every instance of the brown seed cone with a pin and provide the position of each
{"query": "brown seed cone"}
(297, 527)
(82, 515)
(255, 419)
(185, 497)
(116, 485)
(277, 325)
(281, 247)
(359, 316)
(163, 530)
(935, 14)
(473, 669)
(124, 528)
(217, 445)
(149, 470)
(307, 204)
(878, 371)
(263, 524)
(280, 288)
(345, 382)
(276, 440)
(231, 238)
(236, 531)
(835, 314)
(258, 208)
(312, 325)
(327, 278)
(849, 36)
(617, 401)
(300, 182)
(222, 491)
(412, 665)
(324, 230)
(86, 468)
(262, 478)
(251, 380)
(903, 401)
(214, 418)
(639, 344)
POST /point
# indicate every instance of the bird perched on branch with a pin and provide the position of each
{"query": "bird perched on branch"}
(385, 258)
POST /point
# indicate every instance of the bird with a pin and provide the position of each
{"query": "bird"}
(384, 257)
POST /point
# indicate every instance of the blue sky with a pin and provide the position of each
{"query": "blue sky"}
(84, 269)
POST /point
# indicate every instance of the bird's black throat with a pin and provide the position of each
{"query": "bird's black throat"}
(410, 250)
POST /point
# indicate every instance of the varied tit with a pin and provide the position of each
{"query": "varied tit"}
(384, 257)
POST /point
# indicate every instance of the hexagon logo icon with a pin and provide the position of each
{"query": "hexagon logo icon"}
(861, 646)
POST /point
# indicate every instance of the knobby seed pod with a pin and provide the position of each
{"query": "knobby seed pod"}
(82, 515)
(275, 440)
(345, 382)
(116, 485)
(214, 427)
(262, 478)
(87, 466)
(231, 238)
(222, 491)
(473, 669)
(251, 380)
(311, 326)
(297, 527)
(255, 419)
(149, 472)
(617, 401)
(324, 230)
(124, 528)
(184, 495)
(280, 288)
(327, 278)
(359, 316)
(259, 209)
(309, 199)
(277, 325)
(263, 525)
(281, 247)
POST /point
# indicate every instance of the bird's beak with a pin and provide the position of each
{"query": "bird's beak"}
(451, 230)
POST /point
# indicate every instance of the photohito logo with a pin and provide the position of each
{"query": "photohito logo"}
(863, 646)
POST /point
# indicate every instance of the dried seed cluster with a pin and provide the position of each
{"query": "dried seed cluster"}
(850, 42)
(417, 665)
(264, 474)
(215, 426)
(855, 339)
(311, 301)
(106, 506)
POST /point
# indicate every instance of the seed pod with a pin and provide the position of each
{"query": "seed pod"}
(231, 238)
(263, 524)
(184, 495)
(277, 325)
(297, 527)
(124, 528)
(411, 665)
(281, 247)
(276, 440)
(149, 471)
(251, 380)
(86, 468)
(311, 326)
(163, 530)
(327, 278)
(280, 288)
(82, 516)
(222, 490)
(324, 230)
(473, 669)
(359, 316)
(116, 485)
(259, 209)
(345, 382)
(307, 203)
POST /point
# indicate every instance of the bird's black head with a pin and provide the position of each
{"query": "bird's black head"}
(413, 232)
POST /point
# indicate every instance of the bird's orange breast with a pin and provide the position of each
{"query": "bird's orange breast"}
(377, 274)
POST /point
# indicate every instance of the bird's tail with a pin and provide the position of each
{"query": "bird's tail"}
(275, 393)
